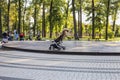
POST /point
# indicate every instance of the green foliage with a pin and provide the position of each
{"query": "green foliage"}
(61, 15)
(110, 34)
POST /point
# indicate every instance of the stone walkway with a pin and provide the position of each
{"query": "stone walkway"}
(76, 47)
(19, 65)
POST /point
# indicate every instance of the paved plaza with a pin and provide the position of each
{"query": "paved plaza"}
(72, 47)
(18, 65)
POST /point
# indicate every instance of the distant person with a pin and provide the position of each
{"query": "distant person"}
(21, 36)
(15, 31)
(16, 35)
(38, 37)
(77, 36)
(4, 38)
(117, 32)
(10, 36)
(30, 35)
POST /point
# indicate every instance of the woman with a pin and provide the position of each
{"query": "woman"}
(57, 42)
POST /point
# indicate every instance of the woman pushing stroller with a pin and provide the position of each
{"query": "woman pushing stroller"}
(57, 43)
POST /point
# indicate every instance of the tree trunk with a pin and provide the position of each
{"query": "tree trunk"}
(8, 26)
(93, 24)
(67, 13)
(19, 17)
(74, 20)
(43, 22)
(50, 19)
(35, 20)
(114, 20)
(80, 25)
(16, 17)
(24, 16)
(107, 19)
(0, 22)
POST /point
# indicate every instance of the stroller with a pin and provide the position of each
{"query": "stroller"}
(56, 45)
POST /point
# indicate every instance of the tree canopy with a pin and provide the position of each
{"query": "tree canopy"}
(49, 17)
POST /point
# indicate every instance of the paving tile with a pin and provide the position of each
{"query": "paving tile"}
(71, 46)
(16, 65)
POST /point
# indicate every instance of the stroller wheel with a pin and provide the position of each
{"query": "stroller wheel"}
(59, 48)
(51, 48)
(64, 48)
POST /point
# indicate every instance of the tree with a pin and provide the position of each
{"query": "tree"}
(19, 17)
(115, 7)
(15, 24)
(43, 21)
(93, 16)
(25, 6)
(8, 26)
(35, 17)
(50, 18)
(74, 20)
(107, 18)
(0, 21)
(66, 13)
(80, 20)
(3, 7)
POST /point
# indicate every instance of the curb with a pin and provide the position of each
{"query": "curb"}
(64, 52)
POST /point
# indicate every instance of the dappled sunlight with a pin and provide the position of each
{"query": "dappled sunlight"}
(18, 60)
(112, 45)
